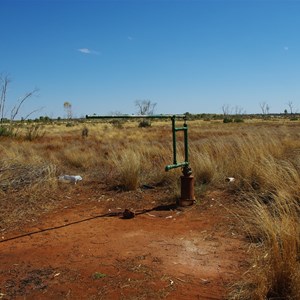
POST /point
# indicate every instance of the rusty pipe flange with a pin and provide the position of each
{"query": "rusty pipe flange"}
(187, 171)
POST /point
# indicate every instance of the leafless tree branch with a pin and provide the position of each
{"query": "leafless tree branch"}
(4, 80)
(145, 107)
(16, 108)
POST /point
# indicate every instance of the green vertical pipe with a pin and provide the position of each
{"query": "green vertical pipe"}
(186, 145)
(174, 141)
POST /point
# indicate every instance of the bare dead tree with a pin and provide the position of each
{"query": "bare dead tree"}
(291, 107)
(226, 109)
(15, 110)
(32, 112)
(265, 108)
(239, 110)
(11, 130)
(145, 107)
(4, 83)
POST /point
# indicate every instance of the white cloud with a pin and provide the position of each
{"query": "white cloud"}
(84, 50)
(87, 51)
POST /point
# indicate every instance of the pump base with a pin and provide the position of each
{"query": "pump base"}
(187, 191)
(185, 202)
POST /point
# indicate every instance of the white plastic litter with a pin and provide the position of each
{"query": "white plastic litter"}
(70, 178)
(230, 179)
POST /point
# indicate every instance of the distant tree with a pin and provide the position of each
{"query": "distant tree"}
(68, 109)
(4, 83)
(226, 109)
(145, 107)
(291, 107)
(44, 119)
(265, 108)
(239, 110)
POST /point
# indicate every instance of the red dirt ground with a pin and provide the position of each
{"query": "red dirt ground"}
(165, 253)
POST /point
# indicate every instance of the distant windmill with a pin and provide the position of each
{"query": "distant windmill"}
(68, 109)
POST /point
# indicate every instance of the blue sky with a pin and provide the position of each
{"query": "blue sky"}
(187, 56)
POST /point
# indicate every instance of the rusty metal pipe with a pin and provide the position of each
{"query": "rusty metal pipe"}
(187, 197)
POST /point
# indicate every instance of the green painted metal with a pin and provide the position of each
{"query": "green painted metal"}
(174, 145)
(177, 165)
(135, 117)
(175, 129)
(184, 128)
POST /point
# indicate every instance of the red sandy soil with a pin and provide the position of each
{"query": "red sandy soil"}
(168, 252)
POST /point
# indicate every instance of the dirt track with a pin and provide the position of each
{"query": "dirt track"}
(190, 253)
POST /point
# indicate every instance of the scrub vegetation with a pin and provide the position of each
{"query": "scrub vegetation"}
(262, 156)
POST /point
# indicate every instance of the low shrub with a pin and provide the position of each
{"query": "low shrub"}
(6, 131)
(117, 123)
(238, 120)
(34, 132)
(145, 123)
(227, 120)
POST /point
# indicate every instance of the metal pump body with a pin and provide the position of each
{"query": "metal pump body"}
(187, 180)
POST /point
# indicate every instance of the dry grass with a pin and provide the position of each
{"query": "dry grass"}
(127, 157)
(128, 165)
(274, 232)
(264, 158)
(266, 166)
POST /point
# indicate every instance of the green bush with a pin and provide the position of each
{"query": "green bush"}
(227, 120)
(6, 131)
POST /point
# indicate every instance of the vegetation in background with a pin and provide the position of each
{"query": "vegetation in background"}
(145, 108)
(7, 126)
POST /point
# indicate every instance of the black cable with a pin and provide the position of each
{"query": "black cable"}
(111, 214)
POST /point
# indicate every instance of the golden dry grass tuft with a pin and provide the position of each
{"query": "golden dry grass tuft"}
(128, 166)
(274, 232)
